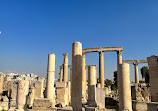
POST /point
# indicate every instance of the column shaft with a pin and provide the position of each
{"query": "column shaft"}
(66, 67)
(76, 85)
(61, 73)
(124, 88)
(136, 73)
(50, 91)
(101, 69)
(83, 76)
(92, 81)
(22, 91)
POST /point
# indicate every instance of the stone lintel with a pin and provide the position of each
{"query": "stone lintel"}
(102, 49)
(134, 61)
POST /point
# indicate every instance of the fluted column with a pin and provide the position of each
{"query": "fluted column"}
(83, 76)
(66, 67)
(101, 69)
(76, 85)
(125, 102)
(61, 73)
(136, 72)
(50, 91)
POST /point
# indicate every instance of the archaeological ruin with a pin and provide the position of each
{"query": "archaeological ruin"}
(73, 91)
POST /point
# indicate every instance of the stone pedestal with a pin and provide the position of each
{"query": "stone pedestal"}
(124, 88)
(76, 85)
(62, 94)
(153, 73)
(65, 67)
(101, 69)
(50, 91)
(38, 89)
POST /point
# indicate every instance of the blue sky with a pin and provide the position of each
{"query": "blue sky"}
(31, 29)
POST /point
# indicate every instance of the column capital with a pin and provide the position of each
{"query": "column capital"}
(65, 54)
(135, 63)
(119, 52)
(101, 53)
(83, 55)
(61, 67)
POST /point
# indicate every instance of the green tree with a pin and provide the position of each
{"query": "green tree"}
(145, 73)
(108, 82)
(115, 78)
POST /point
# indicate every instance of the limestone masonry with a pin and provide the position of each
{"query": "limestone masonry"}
(78, 88)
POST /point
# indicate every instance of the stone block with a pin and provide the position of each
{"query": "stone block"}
(38, 89)
(42, 102)
(91, 109)
(152, 106)
(62, 96)
(139, 106)
(100, 98)
(61, 84)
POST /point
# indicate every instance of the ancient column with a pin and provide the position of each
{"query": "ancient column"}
(83, 76)
(76, 85)
(136, 72)
(50, 91)
(65, 67)
(124, 88)
(22, 92)
(1, 82)
(101, 69)
(71, 74)
(61, 73)
(92, 81)
(153, 74)
(119, 61)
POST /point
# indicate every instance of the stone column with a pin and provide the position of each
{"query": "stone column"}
(71, 74)
(76, 85)
(153, 74)
(1, 82)
(66, 67)
(50, 91)
(136, 72)
(124, 88)
(61, 73)
(101, 69)
(22, 92)
(83, 76)
(119, 61)
(92, 75)
(92, 81)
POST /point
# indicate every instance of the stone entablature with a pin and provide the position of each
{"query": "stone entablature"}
(101, 49)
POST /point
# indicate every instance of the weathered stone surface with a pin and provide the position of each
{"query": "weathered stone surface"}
(42, 102)
(62, 96)
(124, 87)
(100, 98)
(50, 90)
(153, 73)
(152, 106)
(38, 89)
(76, 85)
(61, 84)
(139, 106)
